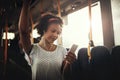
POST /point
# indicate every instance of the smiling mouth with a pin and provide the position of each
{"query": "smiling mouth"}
(53, 39)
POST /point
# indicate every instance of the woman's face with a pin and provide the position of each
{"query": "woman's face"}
(52, 33)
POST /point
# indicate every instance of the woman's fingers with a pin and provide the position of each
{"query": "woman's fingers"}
(71, 57)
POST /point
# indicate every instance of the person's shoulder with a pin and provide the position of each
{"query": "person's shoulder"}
(60, 46)
(35, 45)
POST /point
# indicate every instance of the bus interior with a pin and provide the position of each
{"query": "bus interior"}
(93, 25)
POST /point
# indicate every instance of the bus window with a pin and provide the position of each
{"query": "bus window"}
(77, 29)
(116, 20)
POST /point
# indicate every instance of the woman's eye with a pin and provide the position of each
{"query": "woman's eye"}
(53, 31)
(58, 33)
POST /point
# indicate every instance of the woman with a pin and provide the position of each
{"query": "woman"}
(47, 59)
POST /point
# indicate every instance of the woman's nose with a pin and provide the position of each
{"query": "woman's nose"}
(55, 34)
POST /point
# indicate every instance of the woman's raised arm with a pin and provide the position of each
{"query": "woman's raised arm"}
(24, 28)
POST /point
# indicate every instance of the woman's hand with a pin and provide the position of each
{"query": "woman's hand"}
(70, 57)
(66, 66)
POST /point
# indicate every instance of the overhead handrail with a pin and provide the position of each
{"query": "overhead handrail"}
(5, 50)
(6, 43)
(91, 43)
(59, 14)
(59, 9)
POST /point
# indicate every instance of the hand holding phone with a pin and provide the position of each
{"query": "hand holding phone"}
(71, 57)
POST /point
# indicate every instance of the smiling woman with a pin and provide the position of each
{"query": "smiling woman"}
(47, 52)
(46, 58)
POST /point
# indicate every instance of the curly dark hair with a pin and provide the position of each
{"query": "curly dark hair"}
(47, 20)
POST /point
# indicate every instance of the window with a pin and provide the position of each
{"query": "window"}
(77, 29)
